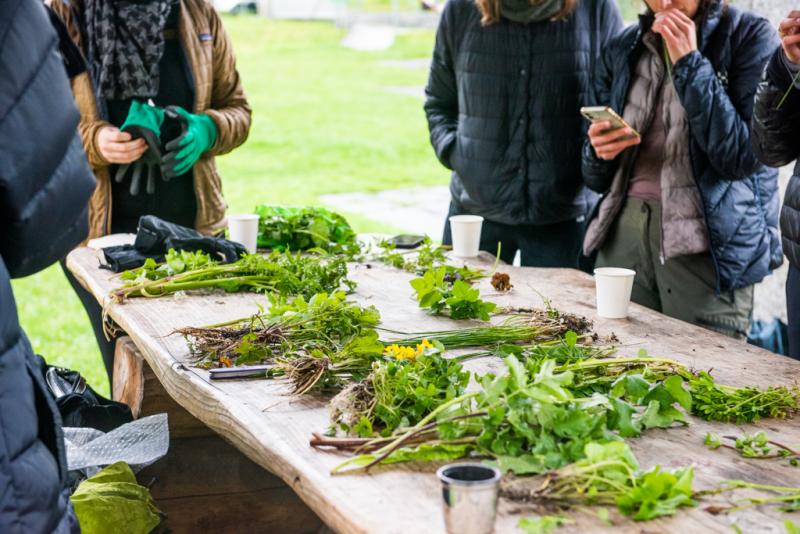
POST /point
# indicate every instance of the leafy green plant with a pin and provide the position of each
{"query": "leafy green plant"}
(298, 229)
(757, 445)
(399, 392)
(288, 274)
(543, 524)
(454, 298)
(728, 404)
(609, 474)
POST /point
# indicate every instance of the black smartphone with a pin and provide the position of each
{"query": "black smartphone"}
(407, 241)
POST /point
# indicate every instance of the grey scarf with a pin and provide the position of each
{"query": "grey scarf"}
(125, 44)
(526, 11)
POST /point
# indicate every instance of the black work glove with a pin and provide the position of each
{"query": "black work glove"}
(153, 233)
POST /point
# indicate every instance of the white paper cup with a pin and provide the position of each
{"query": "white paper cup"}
(614, 286)
(244, 229)
(466, 231)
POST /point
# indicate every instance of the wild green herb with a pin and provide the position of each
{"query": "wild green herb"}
(535, 327)
(527, 420)
(543, 524)
(757, 445)
(288, 274)
(739, 405)
(325, 326)
(455, 298)
(298, 229)
(609, 474)
(786, 498)
(425, 258)
(399, 392)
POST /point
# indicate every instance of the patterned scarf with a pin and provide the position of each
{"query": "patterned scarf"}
(125, 44)
(526, 11)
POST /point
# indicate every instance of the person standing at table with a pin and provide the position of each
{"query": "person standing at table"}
(45, 185)
(506, 83)
(688, 206)
(175, 53)
(776, 142)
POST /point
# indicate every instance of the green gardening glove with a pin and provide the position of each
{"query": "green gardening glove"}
(198, 134)
(143, 121)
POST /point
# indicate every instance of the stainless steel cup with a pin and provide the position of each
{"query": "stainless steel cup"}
(470, 497)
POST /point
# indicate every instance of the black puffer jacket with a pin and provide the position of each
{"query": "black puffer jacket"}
(503, 106)
(776, 142)
(45, 184)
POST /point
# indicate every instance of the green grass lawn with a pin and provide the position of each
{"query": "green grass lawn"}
(322, 123)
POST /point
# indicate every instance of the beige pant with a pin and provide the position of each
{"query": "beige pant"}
(683, 287)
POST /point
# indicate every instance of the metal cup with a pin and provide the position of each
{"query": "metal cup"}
(470, 497)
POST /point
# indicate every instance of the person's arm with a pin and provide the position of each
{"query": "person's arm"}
(45, 181)
(598, 173)
(229, 110)
(719, 118)
(441, 92)
(776, 116)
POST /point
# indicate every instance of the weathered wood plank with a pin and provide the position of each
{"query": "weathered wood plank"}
(273, 429)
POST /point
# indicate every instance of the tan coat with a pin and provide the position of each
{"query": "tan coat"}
(218, 93)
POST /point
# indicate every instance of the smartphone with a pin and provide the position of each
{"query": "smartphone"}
(602, 113)
(407, 241)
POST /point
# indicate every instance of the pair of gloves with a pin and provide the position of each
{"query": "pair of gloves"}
(175, 138)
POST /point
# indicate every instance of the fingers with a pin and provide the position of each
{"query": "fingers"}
(606, 136)
(116, 136)
(612, 150)
(119, 147)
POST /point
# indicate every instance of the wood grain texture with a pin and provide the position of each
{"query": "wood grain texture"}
(273, 428)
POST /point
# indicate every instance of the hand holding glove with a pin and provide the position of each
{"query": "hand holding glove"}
(143, 122)
(198, 134)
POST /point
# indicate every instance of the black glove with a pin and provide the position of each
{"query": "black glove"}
(125, 257)
(154, 232)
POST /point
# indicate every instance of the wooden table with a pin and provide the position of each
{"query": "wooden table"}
(273, 429)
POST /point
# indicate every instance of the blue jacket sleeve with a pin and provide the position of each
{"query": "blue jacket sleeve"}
(597, 173)
(719, 118)
(45, 181)
(441, 93)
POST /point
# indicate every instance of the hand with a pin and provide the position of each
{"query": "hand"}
(608, 143)
(118, 147)
(678, 31)
(789, 30)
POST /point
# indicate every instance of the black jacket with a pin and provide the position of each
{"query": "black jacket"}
(715, 85)
(503, 106)
(45, 184)
(776, 142)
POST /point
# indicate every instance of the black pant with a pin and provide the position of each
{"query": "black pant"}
(793, 310)
(95, 313)
(549, 245)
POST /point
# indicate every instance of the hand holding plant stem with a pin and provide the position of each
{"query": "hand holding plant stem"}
(789, 30)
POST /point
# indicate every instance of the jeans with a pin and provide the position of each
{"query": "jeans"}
(549, 245)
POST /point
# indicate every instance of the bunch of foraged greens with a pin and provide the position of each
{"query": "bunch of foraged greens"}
(531, 327)
(425, 258)
(287, 274)
(297, 229)
(757, 445)
(454, 297)
(540, 415)
(326, 328)
(608, 475)
(401, 389)
(528, 420)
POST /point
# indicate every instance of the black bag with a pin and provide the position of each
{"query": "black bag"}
(80, 405)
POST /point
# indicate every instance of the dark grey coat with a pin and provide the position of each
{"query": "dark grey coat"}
(45, 184)
(503, 106)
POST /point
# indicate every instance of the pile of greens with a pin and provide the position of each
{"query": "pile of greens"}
(444, 294)
(540, 415)
(316, 343)
(284, 273)
(402, 388)
(609, 475)
(297, 229)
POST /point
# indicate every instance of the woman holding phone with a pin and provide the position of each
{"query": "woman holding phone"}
(687, 204)
(776, 141)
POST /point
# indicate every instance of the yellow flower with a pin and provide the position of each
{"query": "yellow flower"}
(400, 353)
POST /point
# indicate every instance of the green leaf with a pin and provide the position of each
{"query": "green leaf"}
(712, 440)
(542, 524)
(674, 384)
